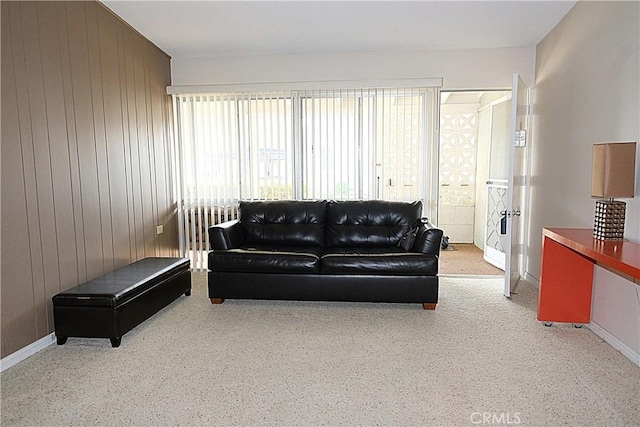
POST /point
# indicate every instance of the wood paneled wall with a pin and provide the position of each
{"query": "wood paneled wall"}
(86, 176)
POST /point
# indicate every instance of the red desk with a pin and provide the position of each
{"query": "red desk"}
(566, 273)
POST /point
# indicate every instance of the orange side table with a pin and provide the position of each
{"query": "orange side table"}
(566, 273)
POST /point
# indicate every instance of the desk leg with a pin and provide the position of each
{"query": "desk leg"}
(566, 284)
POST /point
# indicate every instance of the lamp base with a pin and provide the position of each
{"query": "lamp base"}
(609, 221)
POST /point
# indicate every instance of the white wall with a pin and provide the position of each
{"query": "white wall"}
(461, 69)
(587, 90)
(618, 319)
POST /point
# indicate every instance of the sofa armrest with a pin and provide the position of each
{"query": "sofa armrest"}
(429, 240)
(226, 235)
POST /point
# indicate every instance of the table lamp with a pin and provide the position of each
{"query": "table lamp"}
(613, 175)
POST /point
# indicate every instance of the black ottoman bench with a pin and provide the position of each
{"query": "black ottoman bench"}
(111, 305)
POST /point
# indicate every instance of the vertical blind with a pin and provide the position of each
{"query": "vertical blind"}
(308, 144)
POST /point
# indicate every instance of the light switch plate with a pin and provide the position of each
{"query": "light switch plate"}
(160, 229)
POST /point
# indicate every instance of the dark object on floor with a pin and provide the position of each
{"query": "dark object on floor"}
(325, 251)
(111, 305)
(445, 242)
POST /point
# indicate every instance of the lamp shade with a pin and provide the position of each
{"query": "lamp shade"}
(614, 169)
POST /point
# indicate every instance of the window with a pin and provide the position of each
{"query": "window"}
(319, 144)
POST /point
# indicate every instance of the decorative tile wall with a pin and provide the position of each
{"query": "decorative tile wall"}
(458, 138)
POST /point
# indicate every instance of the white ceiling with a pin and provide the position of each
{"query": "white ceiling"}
(241, 28)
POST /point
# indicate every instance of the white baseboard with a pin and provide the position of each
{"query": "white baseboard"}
(532, 280)
(27, 351)
(614, 342)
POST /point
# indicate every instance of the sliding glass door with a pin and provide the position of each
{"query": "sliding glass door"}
(364, 144)
(326, 144)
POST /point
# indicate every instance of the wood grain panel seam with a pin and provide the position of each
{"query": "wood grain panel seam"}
(126, 140)
(30, 213)
(92, 78)
(12, 44)
(106, 141)
(49, 324)
(80, 241)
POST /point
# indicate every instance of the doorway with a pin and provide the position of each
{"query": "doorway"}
(474, 129)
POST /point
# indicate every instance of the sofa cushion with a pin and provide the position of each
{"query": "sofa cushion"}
(283, 222)
(265, 260)
(369, 223)
(378, 261)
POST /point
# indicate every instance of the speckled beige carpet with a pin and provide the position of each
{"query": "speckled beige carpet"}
(478, 359)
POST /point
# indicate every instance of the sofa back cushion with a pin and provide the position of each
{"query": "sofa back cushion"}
(369, 223)
(283, 222)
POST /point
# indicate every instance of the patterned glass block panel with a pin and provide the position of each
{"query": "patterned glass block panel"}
(447, 196)
(458, 158)
(497, 203)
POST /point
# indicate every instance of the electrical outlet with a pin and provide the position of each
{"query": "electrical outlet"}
(160, 229)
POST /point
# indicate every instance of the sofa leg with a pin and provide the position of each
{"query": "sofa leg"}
(217, 300)
(429, 305)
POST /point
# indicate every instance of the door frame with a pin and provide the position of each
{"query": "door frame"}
(436, 187)
(519, 165)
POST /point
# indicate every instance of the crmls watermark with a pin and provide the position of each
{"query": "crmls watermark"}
(496, 418)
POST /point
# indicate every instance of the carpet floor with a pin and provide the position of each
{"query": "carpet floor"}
(467, 259)
(479, 358)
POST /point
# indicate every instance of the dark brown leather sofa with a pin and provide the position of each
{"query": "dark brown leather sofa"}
(325, 251)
